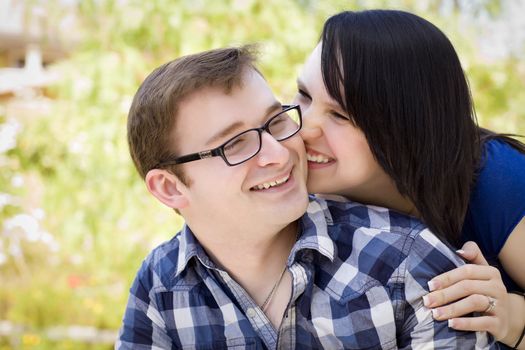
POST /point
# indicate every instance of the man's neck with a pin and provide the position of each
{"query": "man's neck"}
(255, 260)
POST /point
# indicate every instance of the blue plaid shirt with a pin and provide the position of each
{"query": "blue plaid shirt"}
(359, 274)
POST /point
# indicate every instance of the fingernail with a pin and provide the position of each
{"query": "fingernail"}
(436, 313)
(460, 251)
(451, 323)
(426, 301)
(433, 285)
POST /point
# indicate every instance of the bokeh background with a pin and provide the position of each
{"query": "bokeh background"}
(75, 219)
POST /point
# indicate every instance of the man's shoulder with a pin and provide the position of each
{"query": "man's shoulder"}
(342, 211)
(160, 268)
(383, 245)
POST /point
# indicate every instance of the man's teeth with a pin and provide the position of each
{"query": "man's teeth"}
(267, 185)
(317, 159)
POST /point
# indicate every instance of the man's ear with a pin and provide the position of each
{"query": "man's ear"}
(167, 188)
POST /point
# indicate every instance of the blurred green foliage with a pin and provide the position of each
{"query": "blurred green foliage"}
(91, 220)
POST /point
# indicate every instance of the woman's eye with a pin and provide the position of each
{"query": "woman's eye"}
(302, 98)
(303, 94)
(340, 116)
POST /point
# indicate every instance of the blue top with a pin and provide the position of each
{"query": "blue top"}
(358, 277)
(497, 202)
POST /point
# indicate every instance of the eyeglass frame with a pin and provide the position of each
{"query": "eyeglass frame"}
(219, 151)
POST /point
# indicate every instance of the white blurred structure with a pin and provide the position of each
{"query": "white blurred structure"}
(29, 40)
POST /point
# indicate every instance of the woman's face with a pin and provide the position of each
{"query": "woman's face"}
(339, 158)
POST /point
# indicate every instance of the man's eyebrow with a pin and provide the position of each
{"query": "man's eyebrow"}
(236, 125)
(224, 132)
(275, 107)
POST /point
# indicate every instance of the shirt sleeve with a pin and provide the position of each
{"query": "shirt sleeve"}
(496, 204)
(428, 258)
(143, 326)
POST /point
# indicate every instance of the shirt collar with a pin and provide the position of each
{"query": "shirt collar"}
(190, 247)
(314, 235)
(313, 227)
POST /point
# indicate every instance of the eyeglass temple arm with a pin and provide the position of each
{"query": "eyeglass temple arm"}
(191, 157)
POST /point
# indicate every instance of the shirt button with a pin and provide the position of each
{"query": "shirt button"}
(251, 312)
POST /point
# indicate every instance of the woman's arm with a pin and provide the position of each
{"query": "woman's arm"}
(513, 261)
(470, 288)
(511, 255)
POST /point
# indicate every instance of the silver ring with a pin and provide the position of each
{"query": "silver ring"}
(491, 305)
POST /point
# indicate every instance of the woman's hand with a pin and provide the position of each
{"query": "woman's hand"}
(475, 287)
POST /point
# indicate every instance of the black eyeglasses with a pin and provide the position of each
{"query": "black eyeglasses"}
(247, 144)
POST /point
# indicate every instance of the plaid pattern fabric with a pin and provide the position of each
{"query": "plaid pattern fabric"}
(359, 274)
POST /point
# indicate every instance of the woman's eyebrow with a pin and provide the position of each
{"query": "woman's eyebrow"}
(301, 86)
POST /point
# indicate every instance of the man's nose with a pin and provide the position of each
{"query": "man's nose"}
(272, 151)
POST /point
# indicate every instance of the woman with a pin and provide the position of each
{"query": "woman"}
(388, 121)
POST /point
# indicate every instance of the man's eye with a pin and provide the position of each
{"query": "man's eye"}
(235, 144)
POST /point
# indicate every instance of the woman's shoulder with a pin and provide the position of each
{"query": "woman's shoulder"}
(502, 167)
(496, 202)
(498, 150)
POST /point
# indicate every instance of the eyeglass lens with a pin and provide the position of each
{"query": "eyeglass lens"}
(247, 144)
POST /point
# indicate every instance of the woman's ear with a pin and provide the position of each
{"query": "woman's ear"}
(167, 188)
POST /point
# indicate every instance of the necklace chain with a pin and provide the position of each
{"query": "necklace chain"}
(276, 285)
(272, 292)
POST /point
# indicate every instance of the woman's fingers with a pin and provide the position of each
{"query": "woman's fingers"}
(493, 321)
(463, 289)
(470, 288)
(490, 324)
(472, 253)
(472, 303)
(465, 272)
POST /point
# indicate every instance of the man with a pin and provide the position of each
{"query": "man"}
(250, 269)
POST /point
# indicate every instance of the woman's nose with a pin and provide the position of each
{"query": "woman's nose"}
(311, 128)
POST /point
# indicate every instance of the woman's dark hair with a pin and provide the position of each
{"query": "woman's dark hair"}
(400, 79)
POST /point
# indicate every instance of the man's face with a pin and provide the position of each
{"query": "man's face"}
(231, 196)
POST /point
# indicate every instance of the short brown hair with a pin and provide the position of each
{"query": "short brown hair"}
(152, 116)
